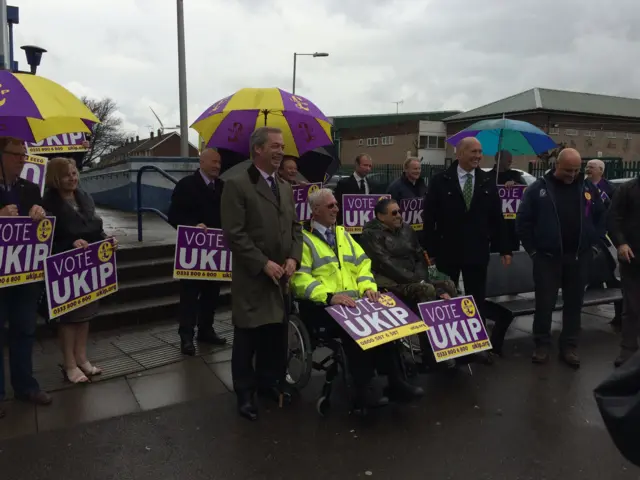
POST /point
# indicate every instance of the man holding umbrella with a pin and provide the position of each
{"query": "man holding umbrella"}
(18, 304)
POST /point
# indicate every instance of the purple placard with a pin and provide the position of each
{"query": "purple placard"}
(64, 143)
(24, 246)
(455, 327)
(357, 210)
(80, 276)
(373, 323)
(35, 170)
(201, 254)
(511, 198)
(300, 197)
(412, 209)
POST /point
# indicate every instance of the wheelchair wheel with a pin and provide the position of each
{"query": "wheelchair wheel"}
(299, 360)
(323, 405)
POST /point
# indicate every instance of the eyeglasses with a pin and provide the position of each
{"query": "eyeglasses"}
(332, 205)
(17, 154)
(395, 212)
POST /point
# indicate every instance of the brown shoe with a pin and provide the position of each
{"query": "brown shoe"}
(540, 355)
(623, 357)
(39, 398)
(570, 357)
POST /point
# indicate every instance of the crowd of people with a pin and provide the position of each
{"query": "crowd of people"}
(562, 217)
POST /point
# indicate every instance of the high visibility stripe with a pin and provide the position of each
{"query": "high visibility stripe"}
(310, 288)
(317, 260)
(364, 279)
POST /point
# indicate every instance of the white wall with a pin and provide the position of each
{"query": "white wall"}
(434, 156)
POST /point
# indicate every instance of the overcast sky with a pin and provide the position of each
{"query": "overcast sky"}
(433, 54)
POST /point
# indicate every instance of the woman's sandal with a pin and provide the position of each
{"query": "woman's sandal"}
(74, 375)
(90, 370)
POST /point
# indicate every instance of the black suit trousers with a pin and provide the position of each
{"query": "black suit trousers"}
(474, 277)
(198, 301)
(258, 357)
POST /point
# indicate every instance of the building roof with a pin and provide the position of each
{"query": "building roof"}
(360, 121)
(142, 145)
(544, 99)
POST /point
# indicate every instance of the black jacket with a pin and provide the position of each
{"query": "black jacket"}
(457, 236)
(624, 217)
(396, 255)
(537, 221)
(192, 202)
(28, 195)
(71, 225)
(402, 188)
(349, 186)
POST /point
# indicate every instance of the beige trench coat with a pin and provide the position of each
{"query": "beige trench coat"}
(258, 229)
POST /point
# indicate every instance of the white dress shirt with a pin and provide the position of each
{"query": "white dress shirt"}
(462, 178)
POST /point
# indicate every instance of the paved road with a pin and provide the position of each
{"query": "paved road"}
(512, 421)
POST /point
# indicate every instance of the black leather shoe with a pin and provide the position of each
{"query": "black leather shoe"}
(211, 337)
(401, 390)
(246, 407)
(368, 398)
(273, 394)
(187, 347)
(485, 358)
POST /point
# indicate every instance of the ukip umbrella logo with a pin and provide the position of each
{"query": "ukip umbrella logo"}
(43, 232)
(105, 251)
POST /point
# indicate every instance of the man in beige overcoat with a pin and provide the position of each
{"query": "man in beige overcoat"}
(260, 224)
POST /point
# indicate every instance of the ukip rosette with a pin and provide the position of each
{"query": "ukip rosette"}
(373, 323)
(300, 197)
(357, 210)
(24, 246)
(80, 276)
(455, 327)
(201, 254)
(511, 198)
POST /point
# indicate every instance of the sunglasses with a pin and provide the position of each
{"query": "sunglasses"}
(332, 205)
(395, 212)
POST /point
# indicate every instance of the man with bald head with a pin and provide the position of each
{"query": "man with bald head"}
(196, 202)
(561, 217)
(463, 222)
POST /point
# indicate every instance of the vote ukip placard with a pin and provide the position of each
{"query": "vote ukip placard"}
(511, 198)
(357, 210)
(80, 276)
(412, 209)
(67, 142)
(201, 254)
(455, 327)
(24, 246)
(373, 323)
(35, 170)
(301, 196)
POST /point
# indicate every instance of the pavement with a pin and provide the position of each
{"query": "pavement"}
(511, 421)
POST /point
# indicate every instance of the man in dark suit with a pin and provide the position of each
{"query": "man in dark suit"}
(463, 219)
(196, 202)
(357, 183)
(18, 304)
(262, 229)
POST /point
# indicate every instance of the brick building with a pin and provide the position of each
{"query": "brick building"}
(157, 145)
(596, 125)
(387, 138)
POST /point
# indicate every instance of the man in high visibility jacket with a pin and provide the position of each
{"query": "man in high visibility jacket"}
(335, 271)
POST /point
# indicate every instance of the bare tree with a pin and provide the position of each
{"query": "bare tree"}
(108, 134)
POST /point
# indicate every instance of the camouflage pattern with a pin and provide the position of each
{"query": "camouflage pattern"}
(414, 293)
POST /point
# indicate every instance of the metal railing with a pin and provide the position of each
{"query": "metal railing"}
(614, 167)
(140, 209)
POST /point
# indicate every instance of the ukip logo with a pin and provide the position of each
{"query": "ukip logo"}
(3, 93)
(307, 131)
(235, 131)
(300, 103)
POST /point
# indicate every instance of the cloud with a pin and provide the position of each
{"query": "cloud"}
(433, 54)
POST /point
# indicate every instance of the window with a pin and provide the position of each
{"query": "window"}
(611, 134)
(554, 131)
(589, 133)
(571, 132)
(432, 142)
(386, 140)
(360, 142)
(627, 136)
(372, 142)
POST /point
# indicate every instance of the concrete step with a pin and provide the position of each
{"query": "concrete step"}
(145, 269)
(139, 289)
(146, 251)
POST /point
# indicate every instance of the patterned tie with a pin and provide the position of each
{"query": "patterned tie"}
(363, 189)
(467, 191)
(274, 187)
(211, 186)
(331, 237)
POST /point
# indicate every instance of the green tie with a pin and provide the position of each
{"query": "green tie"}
(467, 191)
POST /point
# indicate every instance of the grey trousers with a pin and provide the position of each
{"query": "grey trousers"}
(631, 311)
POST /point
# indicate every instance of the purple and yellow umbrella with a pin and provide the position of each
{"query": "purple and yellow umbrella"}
(33, 108)
(229, 122)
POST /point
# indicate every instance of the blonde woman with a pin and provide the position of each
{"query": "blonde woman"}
(77, 225)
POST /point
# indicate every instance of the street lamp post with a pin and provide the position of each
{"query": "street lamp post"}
(4, 37)
(295, 57)
(182, 83)
(34, 55)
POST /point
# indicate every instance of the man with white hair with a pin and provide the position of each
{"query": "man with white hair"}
(335, 271)
(595, 173)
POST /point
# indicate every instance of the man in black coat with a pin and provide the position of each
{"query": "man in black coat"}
(463, 220)
(18, 304)
(410, 184)
(196, 202)
(357, 183)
